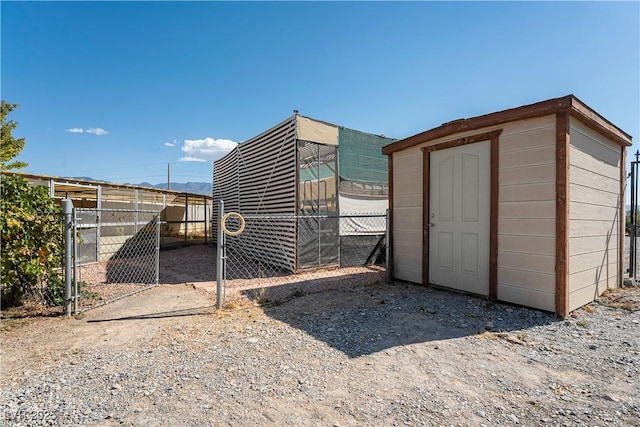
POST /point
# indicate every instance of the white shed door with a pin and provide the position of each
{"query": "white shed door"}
(459, 204)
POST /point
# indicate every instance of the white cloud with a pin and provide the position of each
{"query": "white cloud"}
(95, 131)
(191, 159)
(207, 148)
(169, 144)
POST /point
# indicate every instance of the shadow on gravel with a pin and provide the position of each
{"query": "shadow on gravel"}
(363, 320)
(197, 311)
(177, 264)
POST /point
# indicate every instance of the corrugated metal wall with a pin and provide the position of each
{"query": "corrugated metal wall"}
(259, 178)
(259, 175)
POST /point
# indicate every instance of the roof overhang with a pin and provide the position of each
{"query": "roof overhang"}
(569, 103)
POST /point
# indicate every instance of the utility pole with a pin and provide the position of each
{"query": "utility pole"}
(168, 176)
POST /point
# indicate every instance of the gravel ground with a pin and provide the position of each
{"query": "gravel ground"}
(366, 355)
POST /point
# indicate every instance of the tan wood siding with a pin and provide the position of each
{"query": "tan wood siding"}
(558, 201)
(526, 213)
(526, 223)
(594, 231)
(407, 215)
(534, 298)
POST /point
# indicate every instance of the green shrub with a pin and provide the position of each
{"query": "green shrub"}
(32, 241)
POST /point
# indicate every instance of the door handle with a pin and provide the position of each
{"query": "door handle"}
(432, 224)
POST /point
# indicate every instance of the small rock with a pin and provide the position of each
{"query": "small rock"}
(593, 347)
(513, 418)
(489, 326)
(116, 386)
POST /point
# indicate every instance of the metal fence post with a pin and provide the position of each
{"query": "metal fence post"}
(157, 220)
(220, 258)
(75, 263)
(633, 232)
(387, 246)
(67, 210)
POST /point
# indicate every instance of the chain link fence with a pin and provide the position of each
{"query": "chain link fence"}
(274, 257)
(117, 253)
(102, 255)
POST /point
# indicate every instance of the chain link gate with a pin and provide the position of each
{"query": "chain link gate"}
(115, 254)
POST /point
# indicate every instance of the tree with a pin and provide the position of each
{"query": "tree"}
(10, 147)
(32, 242)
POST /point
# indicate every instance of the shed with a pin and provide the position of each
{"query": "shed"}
(300, 184)
(524, 205)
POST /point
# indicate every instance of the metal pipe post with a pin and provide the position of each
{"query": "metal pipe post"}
(387, 246)
(631, 222)
(75, 263)
(206, 218)
(186, 218)
(220, 258)
(633, 256)
(67, 210)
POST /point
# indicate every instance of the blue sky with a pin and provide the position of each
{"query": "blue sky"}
(115, 91)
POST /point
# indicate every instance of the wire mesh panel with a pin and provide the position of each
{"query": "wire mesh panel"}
(87, 230)
(275, 257)
(265, 248)
(362, 240)
(118, 252)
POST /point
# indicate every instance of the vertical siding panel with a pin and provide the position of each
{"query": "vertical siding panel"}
(597, 232)
(526, 213)
(495, 215)
(407, 214)
(391, 243)
(562, 213)
(426, 170)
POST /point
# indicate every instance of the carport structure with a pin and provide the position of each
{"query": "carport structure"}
(185, 217)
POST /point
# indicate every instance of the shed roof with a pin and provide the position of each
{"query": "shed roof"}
(569, 103)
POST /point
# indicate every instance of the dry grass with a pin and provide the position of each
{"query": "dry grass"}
(623, 298)
(29, 309)
(10, 324)
(582, 323)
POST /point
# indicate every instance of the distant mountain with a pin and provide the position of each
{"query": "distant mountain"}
(187, 187)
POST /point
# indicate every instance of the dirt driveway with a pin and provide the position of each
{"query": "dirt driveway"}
(367, 355)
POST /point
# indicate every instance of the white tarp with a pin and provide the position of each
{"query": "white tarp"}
(362, 206)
